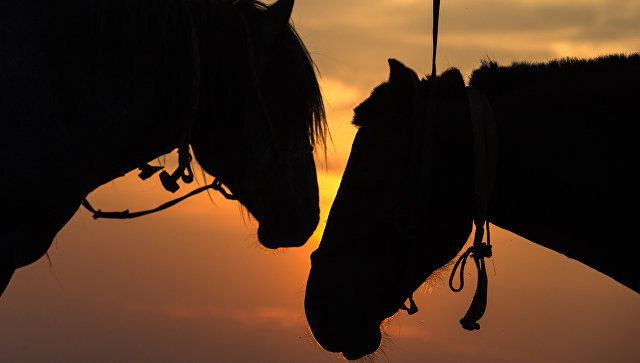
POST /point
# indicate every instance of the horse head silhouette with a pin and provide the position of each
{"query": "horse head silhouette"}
(411, 188)
(98, 88)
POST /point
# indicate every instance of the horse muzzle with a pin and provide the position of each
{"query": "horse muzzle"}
(292, 232)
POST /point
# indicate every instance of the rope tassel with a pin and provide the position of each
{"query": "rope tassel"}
(479, 302)
(183, 171)
(479, 251)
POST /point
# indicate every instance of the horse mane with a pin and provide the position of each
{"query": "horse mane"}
(302, 84)
(372, 109)
(549, 78)
(559, 72)
(293, 70)
(310, 94)
(128, 34)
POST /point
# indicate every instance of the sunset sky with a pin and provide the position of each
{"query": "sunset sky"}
(192, 284)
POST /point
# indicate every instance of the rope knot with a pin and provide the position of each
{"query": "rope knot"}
(183, 171)
(479, 251)
(184, 156)
(482, 250)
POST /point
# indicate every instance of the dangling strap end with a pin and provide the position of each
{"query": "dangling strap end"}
(412, 308)
(169, 181)
(469, 324)
(147, 171)
(479, 302)
(217, 185)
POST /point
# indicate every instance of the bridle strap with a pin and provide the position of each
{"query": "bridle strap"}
(413, 308)
(485, 158)
(183, 171)
(485, 153)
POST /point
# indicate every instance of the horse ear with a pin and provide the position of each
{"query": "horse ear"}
(401, 78)
(276, 17)
(403, 83)
(451, 83)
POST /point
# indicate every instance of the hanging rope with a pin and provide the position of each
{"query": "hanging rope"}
(436, 18)
(413, 308)
(483, 161)
(215, 185)
(484, 167)
(479, 251)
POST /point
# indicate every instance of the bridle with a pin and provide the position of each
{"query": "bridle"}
(184, 171)
(424, 133)
(413, 308)
(484, 168)
(485, 160)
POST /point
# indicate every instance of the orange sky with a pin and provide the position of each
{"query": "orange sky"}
(193, 284)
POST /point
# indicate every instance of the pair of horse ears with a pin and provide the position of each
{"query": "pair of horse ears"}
(404, 81)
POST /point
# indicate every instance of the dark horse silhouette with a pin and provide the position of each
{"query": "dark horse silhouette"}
(406, 202)
(91, 89)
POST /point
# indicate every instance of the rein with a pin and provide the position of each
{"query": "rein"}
(216, 185)
(184, 171)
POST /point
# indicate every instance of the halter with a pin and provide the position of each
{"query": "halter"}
(184, 171)
(484, 167)
(485, 159)
(413, 308)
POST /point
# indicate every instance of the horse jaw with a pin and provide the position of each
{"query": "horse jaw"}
(348, 298)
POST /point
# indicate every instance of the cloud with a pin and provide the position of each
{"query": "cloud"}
(339, 94)
(351, 40)
(272, 316)
(412, 332)
(258, 316)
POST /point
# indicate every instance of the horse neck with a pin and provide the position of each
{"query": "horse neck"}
(554, 181)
